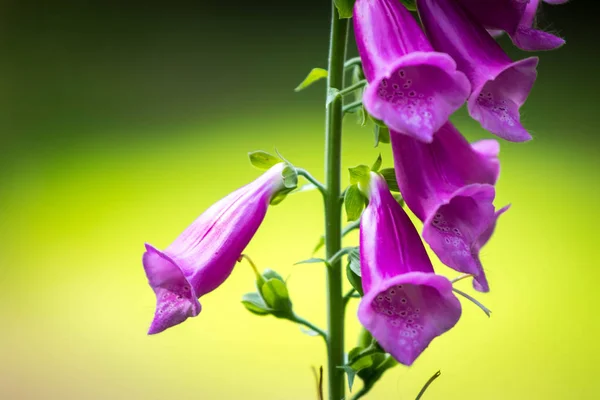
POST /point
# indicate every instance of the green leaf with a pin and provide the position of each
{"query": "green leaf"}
(382, 135)
(409, 4)
(344, 8)
(279, 197)
(263, 160)
(354, 261)
(320, 244)
(353, 271)
(316, 74)
(290, 177)
(359, 174)
(270, 274)
(357, 364)
(311, 261)
(390, 177)
(377, 164)
(354, 202)
(275, 294)
(255, 304)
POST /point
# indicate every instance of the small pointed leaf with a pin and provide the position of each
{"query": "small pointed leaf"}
(332, 94)
(382, 135)
(255, 304)
(354, 202)
(263, 160)
(377, 164)
(390, 177)
(316, 74)
(311, 261)
(359, 174)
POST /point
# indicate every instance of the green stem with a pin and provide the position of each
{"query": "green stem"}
(333, 207)
(352, 107)
(352, 88)
(309, 325)
(311, 179)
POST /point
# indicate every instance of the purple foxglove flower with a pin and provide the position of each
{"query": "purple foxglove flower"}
(499, 86)
(448, 184)
(516, 17)
(204, 255)
(405, 305)
(411, 88)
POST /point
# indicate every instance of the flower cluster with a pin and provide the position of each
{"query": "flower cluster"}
(416, 80)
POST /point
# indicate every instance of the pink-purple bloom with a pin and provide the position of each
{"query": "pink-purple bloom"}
(203, 256)
(499, 85)
(411, 88)
(515, 17)
(449, 185)
(405, 304)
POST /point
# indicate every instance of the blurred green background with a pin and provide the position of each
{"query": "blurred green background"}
(120, 123)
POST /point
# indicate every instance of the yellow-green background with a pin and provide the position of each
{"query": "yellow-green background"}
(119, 124)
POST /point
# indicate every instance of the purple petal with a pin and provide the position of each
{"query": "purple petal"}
(175, 297)
(389, 243)
(411, 88)
(458, 229)
(405, 313)
(496, 102)
(429, 174)
(417, 94)
(499, 86)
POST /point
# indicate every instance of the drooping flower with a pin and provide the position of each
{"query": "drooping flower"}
(405, 304)
(411, 88)
(499, 85)
(203, 256)
(515, 17)
(449, 185)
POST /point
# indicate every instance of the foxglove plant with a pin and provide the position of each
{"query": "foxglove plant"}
(406, 82)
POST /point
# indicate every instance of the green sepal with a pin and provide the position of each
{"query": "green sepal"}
(357, 364)
(344, 8)
(279, 197)
(270, 274)
(382, 135)
(276, 296)
(390, 178)
(353, 271)
(316, 74)
(360, 174)
(354, 202)
(255, 304)
(290, 177)
(377, 164)
(263, 160)
(409, 4)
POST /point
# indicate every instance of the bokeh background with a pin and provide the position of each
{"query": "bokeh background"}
(121, 122)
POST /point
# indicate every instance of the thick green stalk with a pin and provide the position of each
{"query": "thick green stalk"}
(333, 207)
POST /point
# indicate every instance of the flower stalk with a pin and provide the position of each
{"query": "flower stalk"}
(333, 207)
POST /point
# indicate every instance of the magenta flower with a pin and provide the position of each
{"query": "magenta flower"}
(499, 86)
(516, 17)
(411, 88)
(204, 255)
(448, 184)
(405, 304)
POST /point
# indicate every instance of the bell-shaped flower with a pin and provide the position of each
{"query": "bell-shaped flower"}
(203, 256)
(499, 86)
(449, 185)
(405, 304)
(411, 88)
(515, 17)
